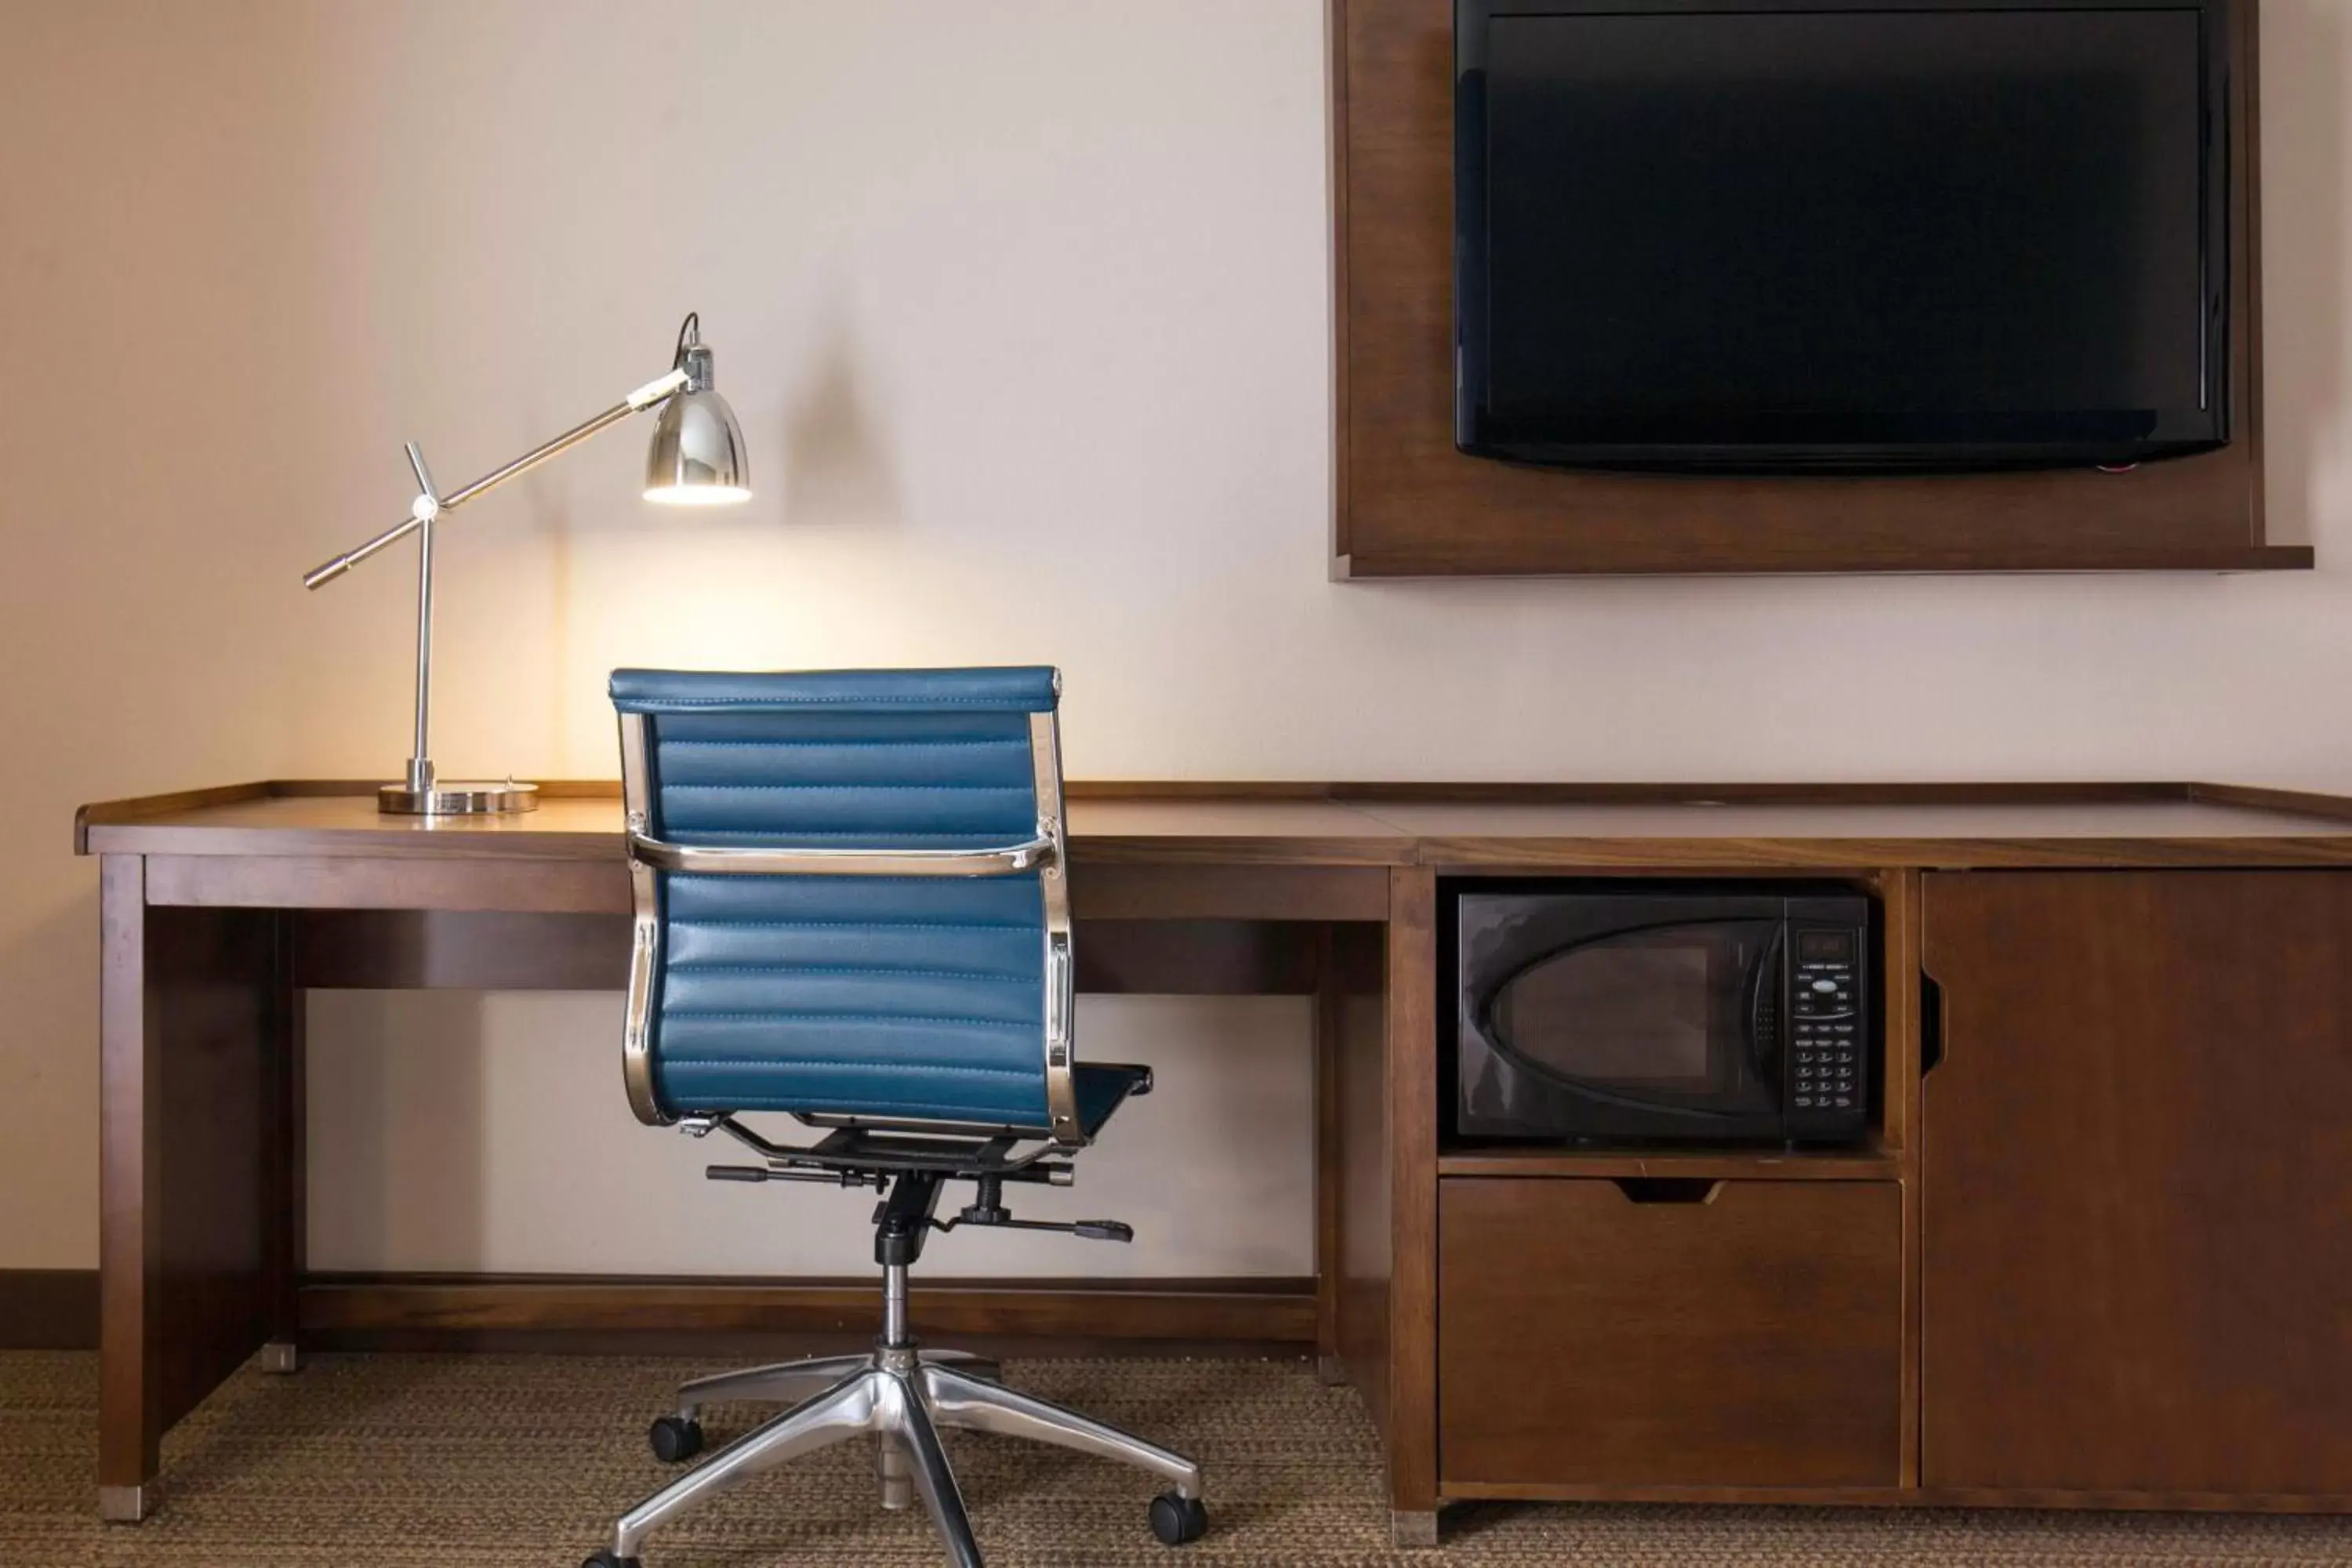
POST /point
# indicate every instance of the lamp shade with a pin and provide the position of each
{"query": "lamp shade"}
(697, 457)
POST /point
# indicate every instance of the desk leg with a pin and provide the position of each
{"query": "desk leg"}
(287, 1173)
(193, 1063)
(1331, 1024)
(1413, 1113)
(1377, 1104)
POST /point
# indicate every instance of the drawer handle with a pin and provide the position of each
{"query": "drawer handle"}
(1668, 1189)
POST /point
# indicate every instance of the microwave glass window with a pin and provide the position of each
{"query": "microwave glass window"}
(1650, 1013)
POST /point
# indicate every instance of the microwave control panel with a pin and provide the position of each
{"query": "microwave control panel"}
(1828, 1085)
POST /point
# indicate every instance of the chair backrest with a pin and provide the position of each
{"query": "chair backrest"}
(850, 895)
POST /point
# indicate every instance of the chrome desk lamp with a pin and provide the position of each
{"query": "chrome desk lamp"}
(696, 459)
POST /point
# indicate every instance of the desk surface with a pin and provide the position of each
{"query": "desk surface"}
(1468, 825)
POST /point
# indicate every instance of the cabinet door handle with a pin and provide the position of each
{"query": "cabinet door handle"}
(1931, 1024)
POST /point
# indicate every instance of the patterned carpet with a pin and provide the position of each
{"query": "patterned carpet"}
(514, 1461)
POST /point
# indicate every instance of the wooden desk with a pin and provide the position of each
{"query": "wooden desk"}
(221, 907)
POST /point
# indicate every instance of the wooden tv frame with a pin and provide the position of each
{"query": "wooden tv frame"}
(1407, 504)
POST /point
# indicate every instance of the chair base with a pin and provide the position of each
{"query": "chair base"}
(903, 1396)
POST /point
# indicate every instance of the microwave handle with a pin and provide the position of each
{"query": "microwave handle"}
(1764, 1009)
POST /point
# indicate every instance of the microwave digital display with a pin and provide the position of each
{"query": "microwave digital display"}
(1824, 947)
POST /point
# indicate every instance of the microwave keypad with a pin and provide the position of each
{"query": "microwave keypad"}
(1827, 1055)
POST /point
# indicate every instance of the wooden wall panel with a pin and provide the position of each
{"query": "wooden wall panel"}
(1408, 504)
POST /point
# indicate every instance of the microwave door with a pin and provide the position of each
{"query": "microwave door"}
(1764, 1005)
(1664, 1020)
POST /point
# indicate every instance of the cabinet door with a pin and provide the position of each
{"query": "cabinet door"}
(2137, 1197)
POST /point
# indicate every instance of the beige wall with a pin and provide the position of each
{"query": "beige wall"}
(1023, 306)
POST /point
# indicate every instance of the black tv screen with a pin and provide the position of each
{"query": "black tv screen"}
(1752, 236)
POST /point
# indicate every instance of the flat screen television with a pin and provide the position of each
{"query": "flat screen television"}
(1860, 235)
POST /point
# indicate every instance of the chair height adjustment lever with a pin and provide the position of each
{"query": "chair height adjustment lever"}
(1090, 1229)
(987, 1208)
(767, 1173)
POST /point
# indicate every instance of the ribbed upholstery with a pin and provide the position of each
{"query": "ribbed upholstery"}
(881, 997)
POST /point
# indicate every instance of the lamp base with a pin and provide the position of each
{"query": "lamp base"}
(464, 797)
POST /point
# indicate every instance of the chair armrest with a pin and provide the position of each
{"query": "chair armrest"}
(1001, 861)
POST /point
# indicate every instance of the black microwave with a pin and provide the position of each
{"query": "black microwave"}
(1661, 1014)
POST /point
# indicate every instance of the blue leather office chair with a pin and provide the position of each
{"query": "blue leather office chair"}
(851, 908)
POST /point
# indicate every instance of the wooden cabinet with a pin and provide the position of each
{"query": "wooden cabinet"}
(1594, 1334)
(2136, 1228)
(2103, 1256)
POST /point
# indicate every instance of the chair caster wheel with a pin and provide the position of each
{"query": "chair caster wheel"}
(1177, 1520)
(674, 1439)
(600, 1558)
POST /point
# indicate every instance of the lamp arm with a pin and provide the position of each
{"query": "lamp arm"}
(643, 398)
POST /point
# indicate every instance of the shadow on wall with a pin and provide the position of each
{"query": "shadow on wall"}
(834, 470)
(48, 977)
(395, 1129)
(2304, 125)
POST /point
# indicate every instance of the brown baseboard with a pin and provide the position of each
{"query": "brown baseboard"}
(57, 1308)
(656, 1315)
(49, 1308)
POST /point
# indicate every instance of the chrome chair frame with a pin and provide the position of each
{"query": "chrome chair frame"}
(1048, 853)
(900, 1393)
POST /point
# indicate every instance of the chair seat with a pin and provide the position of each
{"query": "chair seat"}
(1100, 1088)
(1103, 1087)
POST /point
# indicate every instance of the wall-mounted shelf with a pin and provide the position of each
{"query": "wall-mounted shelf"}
(1572, 557)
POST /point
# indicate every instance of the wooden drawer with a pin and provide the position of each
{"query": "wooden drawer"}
(1728, 1334)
